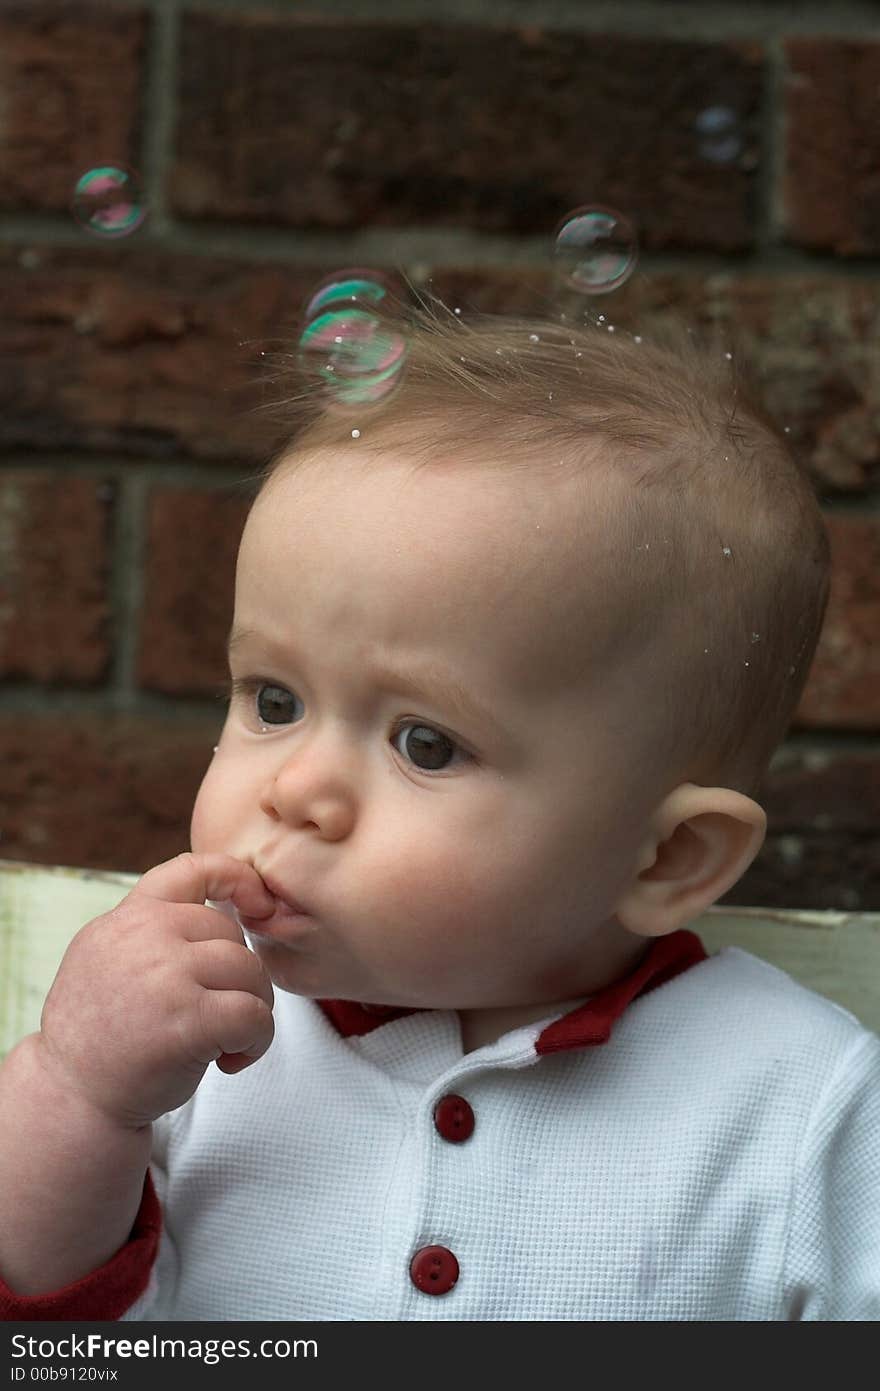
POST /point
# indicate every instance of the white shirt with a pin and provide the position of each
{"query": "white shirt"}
(699, 1141)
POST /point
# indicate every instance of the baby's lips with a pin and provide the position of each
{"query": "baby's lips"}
(229, 910)
(251, 900)
(260, 902)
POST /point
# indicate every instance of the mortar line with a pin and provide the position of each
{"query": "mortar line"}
(160, 109)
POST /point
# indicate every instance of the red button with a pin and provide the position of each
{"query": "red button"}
(434, 1270)
(454, 1118)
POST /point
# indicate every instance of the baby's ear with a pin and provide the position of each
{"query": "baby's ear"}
(700, 843)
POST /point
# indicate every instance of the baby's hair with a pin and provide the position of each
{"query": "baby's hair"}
(715, 560)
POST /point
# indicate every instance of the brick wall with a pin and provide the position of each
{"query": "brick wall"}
(446, 139)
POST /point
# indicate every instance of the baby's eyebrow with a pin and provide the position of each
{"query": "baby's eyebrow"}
(426, 682)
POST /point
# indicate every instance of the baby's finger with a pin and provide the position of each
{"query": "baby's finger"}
(233, 1062)
(223, 965)
(190, 878)
(236, 1022)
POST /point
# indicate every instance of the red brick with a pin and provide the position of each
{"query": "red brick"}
(822, 848)
(54, 570)
(156, 368)
(141, 352)
(844, 684)
(102, 791)
(192, 542)
(288, 120)
(832, 168)
(72, 81)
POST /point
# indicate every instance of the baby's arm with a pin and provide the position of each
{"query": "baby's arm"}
(72, 1179)
(145, 998)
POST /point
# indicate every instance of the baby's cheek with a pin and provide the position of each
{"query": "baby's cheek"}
(430, 881)
(202, 828)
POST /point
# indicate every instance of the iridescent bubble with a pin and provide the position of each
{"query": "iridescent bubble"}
(351, 337)
(720, 136)
(358, 354)
(368, 288)
(108, 201)
(596, 249)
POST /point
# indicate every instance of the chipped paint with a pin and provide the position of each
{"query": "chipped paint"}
(41, 908)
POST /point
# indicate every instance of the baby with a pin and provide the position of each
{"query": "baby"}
(511, 654)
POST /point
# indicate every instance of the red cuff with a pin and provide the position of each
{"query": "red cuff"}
(107, 1292)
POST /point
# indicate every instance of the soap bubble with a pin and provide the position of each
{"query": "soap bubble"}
(108, 201)
(596, 249)
(346, 288)
(358, 355)
(720, 136)
(352, 340)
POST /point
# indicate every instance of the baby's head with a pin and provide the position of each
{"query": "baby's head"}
(517, 656)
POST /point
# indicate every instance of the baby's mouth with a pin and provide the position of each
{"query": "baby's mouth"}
(286, 924)
(283, 904)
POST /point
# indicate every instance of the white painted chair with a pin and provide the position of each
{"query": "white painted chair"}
(43, 906)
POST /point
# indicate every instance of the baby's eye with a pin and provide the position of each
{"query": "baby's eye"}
(429, 749)
(272, 703)
(423, 742)
(263, 701)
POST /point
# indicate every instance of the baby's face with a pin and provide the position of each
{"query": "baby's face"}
(447, 857)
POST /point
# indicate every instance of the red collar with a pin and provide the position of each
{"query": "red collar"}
(589, 1024)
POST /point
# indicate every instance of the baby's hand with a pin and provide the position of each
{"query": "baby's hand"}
(148, 995)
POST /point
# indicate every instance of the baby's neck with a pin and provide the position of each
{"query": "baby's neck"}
(482, 1026)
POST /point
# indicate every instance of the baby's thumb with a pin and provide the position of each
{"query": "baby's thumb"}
(234, 1062)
